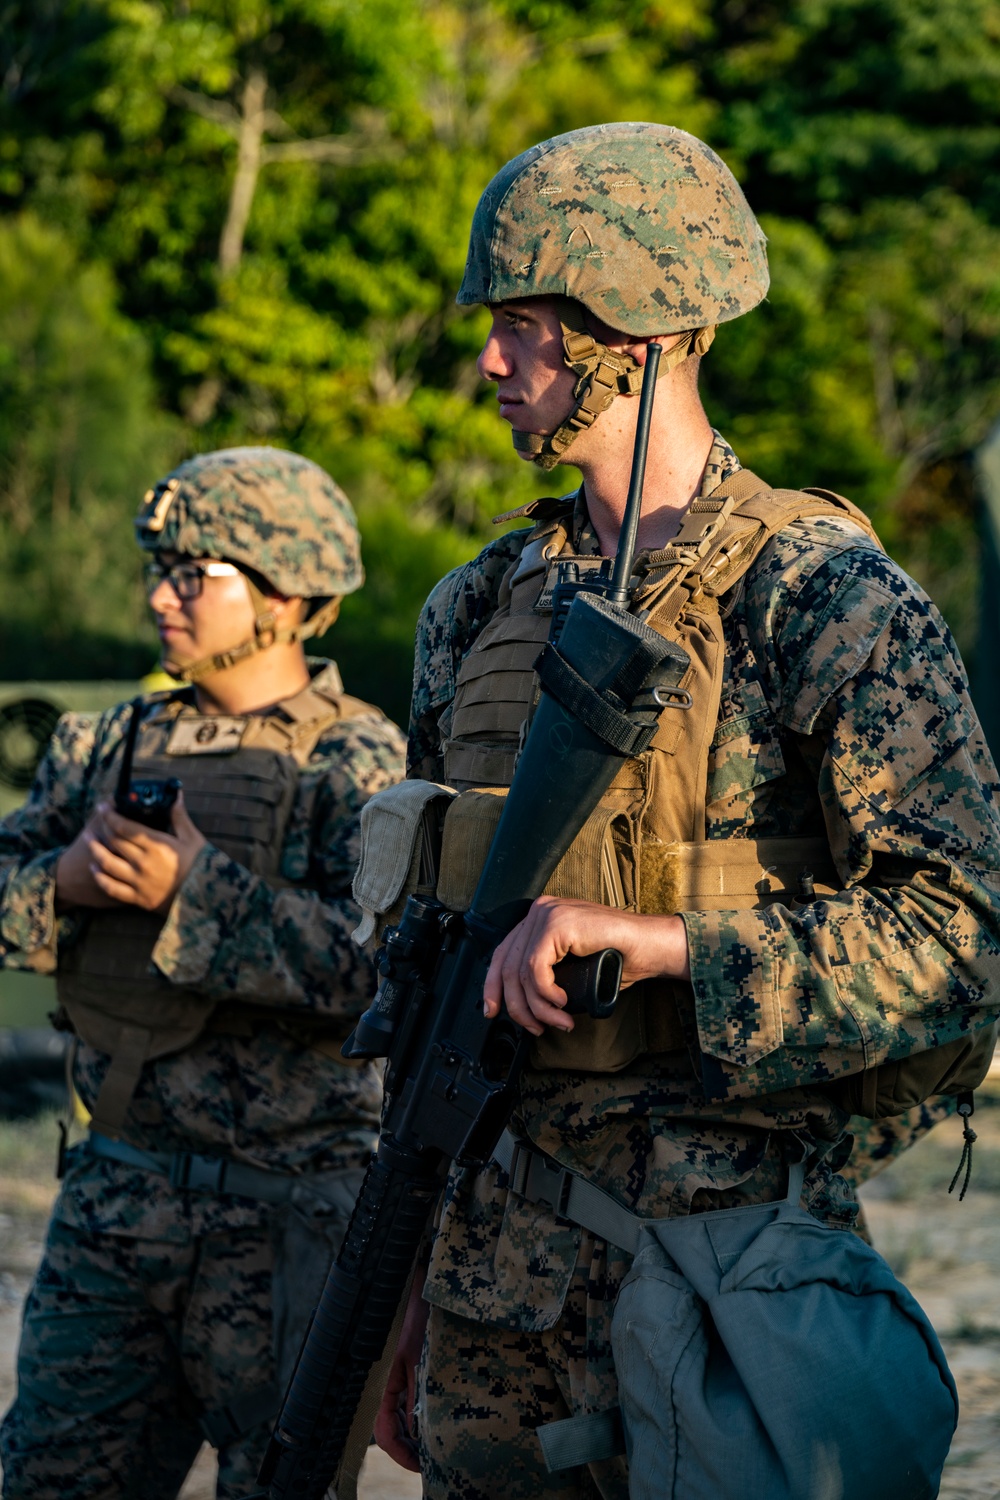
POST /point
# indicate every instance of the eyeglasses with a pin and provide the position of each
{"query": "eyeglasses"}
(185, 578)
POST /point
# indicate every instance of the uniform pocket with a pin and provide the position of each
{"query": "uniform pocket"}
(746, 752)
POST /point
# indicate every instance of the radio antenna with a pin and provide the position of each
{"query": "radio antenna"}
(619, 592)
(125, 774)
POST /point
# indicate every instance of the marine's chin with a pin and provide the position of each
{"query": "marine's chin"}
(170, 664)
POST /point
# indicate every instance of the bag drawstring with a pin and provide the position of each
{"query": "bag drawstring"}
(966, 1107)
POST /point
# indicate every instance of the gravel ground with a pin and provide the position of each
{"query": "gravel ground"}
(947, 1253)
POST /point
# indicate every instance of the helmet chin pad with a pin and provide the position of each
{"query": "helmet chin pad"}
(602, 374)
(266, 633)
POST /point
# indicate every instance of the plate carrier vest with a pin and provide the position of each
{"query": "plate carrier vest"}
(240, 777)
(644, 848)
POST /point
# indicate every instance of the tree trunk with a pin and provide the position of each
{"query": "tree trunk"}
(251, 138)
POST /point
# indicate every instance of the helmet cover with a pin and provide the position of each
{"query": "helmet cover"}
(266, 509)
(643, 224)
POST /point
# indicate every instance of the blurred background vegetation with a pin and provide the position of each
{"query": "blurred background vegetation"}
(231, 221)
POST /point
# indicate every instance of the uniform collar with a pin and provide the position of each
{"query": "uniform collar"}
(721, 464)
(324, 678)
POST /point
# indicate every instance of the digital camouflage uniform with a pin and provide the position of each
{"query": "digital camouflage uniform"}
(844, 714)
(844, 710)
(878, 1143)
(150, 1319)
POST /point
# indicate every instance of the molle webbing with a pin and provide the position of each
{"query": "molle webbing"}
(655, 810)
(497, 684)
(711, 875)
(604, 865)
(723, 534)
(734, 874)
(676, 591)
(588, 869)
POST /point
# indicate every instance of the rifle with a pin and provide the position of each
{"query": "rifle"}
(451, 1076)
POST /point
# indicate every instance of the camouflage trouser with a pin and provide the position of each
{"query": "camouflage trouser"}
(483, 1390)
(126, 1344)
(878, 1143)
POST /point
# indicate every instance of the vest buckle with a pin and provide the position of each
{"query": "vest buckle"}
(197, 1174)
(672, 697)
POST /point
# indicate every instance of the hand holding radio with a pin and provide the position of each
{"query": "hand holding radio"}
(137, 849)
(114, 860)
(141, 866)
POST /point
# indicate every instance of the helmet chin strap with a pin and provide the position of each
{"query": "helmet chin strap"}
(265, 634)
(602, 374)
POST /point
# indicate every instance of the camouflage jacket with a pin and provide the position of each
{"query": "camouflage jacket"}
(266, 1098)
(845, 710)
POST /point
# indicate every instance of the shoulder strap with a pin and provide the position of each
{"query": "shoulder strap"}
(327, 704)
(776, 509)
(724, 533)
(169, 701)
(311, 713)
(357, 708)
(541, 543)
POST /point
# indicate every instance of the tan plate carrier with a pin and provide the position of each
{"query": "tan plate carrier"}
(240, 778)
(644, 848)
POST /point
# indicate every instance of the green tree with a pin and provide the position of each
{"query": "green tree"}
(79, 439)
(282, 190)
(876, 125)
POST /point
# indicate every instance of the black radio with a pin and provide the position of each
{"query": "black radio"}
(148, 801)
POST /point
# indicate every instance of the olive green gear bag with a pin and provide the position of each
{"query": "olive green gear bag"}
(763, 1356)
(894, 1087)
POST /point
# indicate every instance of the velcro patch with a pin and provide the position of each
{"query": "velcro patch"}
(215, 734)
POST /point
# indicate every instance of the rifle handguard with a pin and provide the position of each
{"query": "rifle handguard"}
(601, 713)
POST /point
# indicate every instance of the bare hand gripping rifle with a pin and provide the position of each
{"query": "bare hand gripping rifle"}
(452, 1075)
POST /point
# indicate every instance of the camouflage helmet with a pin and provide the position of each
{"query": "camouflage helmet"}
(643, 226)
(277, 516)
(273, 511)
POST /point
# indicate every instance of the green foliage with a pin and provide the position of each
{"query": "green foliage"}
(786, 386)
(78, 439)
(373, 639)
(925, 278)
(276, 196)
(840, 102)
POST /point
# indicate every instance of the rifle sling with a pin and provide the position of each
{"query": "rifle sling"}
(593, 709)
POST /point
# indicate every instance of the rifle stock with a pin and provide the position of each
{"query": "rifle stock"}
(452, 1075)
